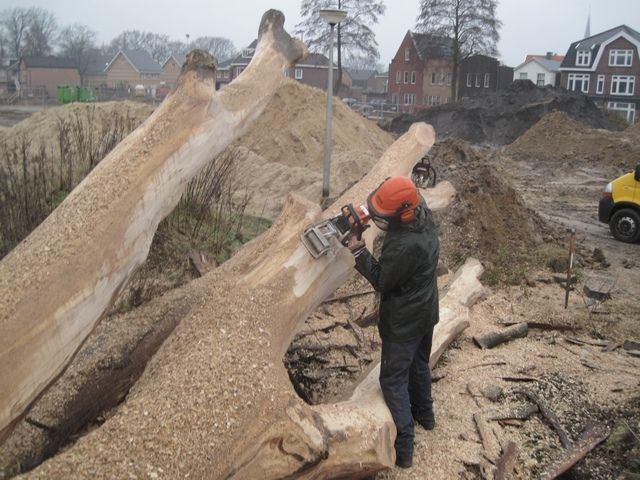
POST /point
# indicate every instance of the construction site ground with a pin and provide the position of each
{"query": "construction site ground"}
(512, 211)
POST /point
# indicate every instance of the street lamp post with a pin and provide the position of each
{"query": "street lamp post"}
(332, 17)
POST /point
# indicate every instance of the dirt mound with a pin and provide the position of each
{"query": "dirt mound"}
(499, 118)
(559, 139)
(488, 220)
(42, 127)
(283, 151)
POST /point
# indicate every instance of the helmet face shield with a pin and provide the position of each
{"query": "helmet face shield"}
(381, 223)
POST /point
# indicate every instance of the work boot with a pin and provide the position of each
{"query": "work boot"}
(427, 420)
(404, 460)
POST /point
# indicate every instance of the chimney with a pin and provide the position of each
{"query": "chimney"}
(549, 55)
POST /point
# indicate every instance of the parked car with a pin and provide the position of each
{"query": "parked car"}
(349, 101)
(620, 206)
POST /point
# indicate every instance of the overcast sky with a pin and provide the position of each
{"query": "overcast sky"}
(529, 26)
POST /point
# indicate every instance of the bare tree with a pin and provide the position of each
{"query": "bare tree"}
(471, 25)
(221, 48)
(359, 62)
(127, 40)
(354, 34)
(178, 46)
(40, 33)
(15, 22)
(157, 44)
(77, 42)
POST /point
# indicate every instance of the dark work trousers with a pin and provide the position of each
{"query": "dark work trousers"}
(406, 385)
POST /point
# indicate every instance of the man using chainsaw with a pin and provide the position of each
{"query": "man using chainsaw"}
(405, 276)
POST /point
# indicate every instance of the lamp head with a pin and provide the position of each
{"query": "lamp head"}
(332, 16)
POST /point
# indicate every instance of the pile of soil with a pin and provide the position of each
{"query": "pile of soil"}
(41, 128)
(559, 139)
(283, 151)
(499, 118)
(488, 220)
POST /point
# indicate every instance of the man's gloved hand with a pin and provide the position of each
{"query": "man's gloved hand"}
(355, 246)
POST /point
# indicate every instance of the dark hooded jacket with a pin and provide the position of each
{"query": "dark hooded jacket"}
(405, 276)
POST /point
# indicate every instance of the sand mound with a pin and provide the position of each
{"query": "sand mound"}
(41, 128)
(559, 139)
(489, 220)
(500, 118)
(283, 151)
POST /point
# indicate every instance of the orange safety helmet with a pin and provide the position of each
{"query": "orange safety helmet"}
(395, 199)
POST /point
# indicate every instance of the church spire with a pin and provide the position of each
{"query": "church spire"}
(587, 31)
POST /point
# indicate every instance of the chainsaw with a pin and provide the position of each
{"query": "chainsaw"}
(352, 221)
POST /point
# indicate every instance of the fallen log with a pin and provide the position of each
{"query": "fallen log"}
(592, 436)
(57, 283)
(231, 412)
(493, 339)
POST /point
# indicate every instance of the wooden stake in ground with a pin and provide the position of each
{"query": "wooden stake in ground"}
(57, 283)
(572, 248)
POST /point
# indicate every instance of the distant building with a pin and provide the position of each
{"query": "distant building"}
(171, 69)
(40, 76)
(420, 73)
(313, 70)
(605, 67)
(129, 68)
(540, 69)
(368, 85)
(95, 75)
(480, 74)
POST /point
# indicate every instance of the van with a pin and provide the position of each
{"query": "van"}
(620, 207)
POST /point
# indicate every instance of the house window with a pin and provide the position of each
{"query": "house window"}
(407, 54)
(625, 110)
(583, 58)
(600, 84)
(578, 82)
(409, 98)
(394, 98)
(239, 70)
(398, 77)
(477, 80)
(622, 84)
(248, 52)
(433, 78)
(433, 100)
(298, 74)
(413, 77)
(486, 80)
(406, 77)
(620, 58)
(469, 80)
(448, 79)
(524, 76)
(540, 80)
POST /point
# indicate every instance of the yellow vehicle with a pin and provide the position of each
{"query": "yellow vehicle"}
(620, 207)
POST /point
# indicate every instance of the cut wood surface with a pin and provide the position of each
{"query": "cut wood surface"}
(58, 282)
(216, 400)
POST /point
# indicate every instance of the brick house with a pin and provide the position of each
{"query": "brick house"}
(95, 75)
(129, 68)
(312, 70)
(171, 68)
(540, 69)
(42, 75)
(606, 67)
(420, 72)
(367, 85)
(480, 74)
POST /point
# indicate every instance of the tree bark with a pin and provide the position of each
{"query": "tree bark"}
(56, 284)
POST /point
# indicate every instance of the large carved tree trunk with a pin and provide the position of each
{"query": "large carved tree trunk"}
(57, 283)
(216, 401)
